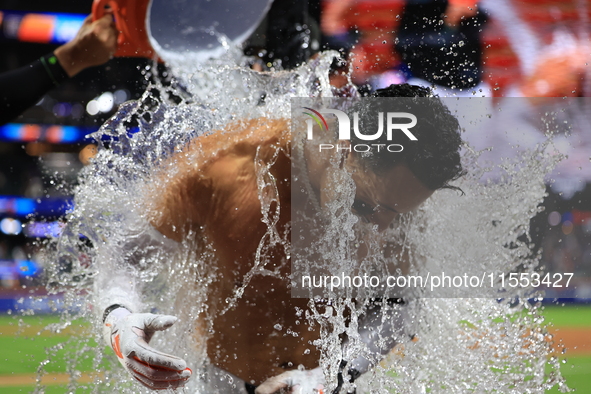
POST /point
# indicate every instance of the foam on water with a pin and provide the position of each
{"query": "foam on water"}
(471, 345)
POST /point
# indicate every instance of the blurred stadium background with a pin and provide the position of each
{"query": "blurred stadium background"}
(42, 151)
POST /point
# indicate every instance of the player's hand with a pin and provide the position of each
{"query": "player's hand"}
(128, 334)
(94, 44)
(296, 382)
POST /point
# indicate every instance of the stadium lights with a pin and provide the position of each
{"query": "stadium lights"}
(55, 134)
(10, 226)
(106, 102)
(22, 207)
(45, 28)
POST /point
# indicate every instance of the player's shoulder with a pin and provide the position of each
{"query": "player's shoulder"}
(243, 137)
(258, 132)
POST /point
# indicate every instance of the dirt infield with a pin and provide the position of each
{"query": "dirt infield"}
(577, 341)
(35, 331)
(48, 379)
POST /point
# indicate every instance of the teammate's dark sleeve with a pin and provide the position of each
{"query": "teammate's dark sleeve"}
(23, 87)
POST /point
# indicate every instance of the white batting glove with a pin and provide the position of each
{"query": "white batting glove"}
(128, 334)
(296, 381)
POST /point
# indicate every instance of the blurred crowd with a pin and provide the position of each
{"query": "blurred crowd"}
(514, 47)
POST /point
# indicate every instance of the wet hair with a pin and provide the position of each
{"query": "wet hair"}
(434, 158)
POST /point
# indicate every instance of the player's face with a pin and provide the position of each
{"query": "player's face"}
(379, 199)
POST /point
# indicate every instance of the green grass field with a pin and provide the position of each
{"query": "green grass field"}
(25, 346)
(23, 349)
(577, 369)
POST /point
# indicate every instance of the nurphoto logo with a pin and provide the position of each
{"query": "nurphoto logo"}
(393, 124)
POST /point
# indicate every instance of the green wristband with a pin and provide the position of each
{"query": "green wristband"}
(54, 69)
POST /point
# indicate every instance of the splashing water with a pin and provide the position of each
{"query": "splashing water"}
(488, 342)
(471, 345)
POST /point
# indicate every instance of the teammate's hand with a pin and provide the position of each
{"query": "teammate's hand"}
(296, 381)
(129, 334)
(94, 44)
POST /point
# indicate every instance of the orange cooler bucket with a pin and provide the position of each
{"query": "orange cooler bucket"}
(175, 28)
